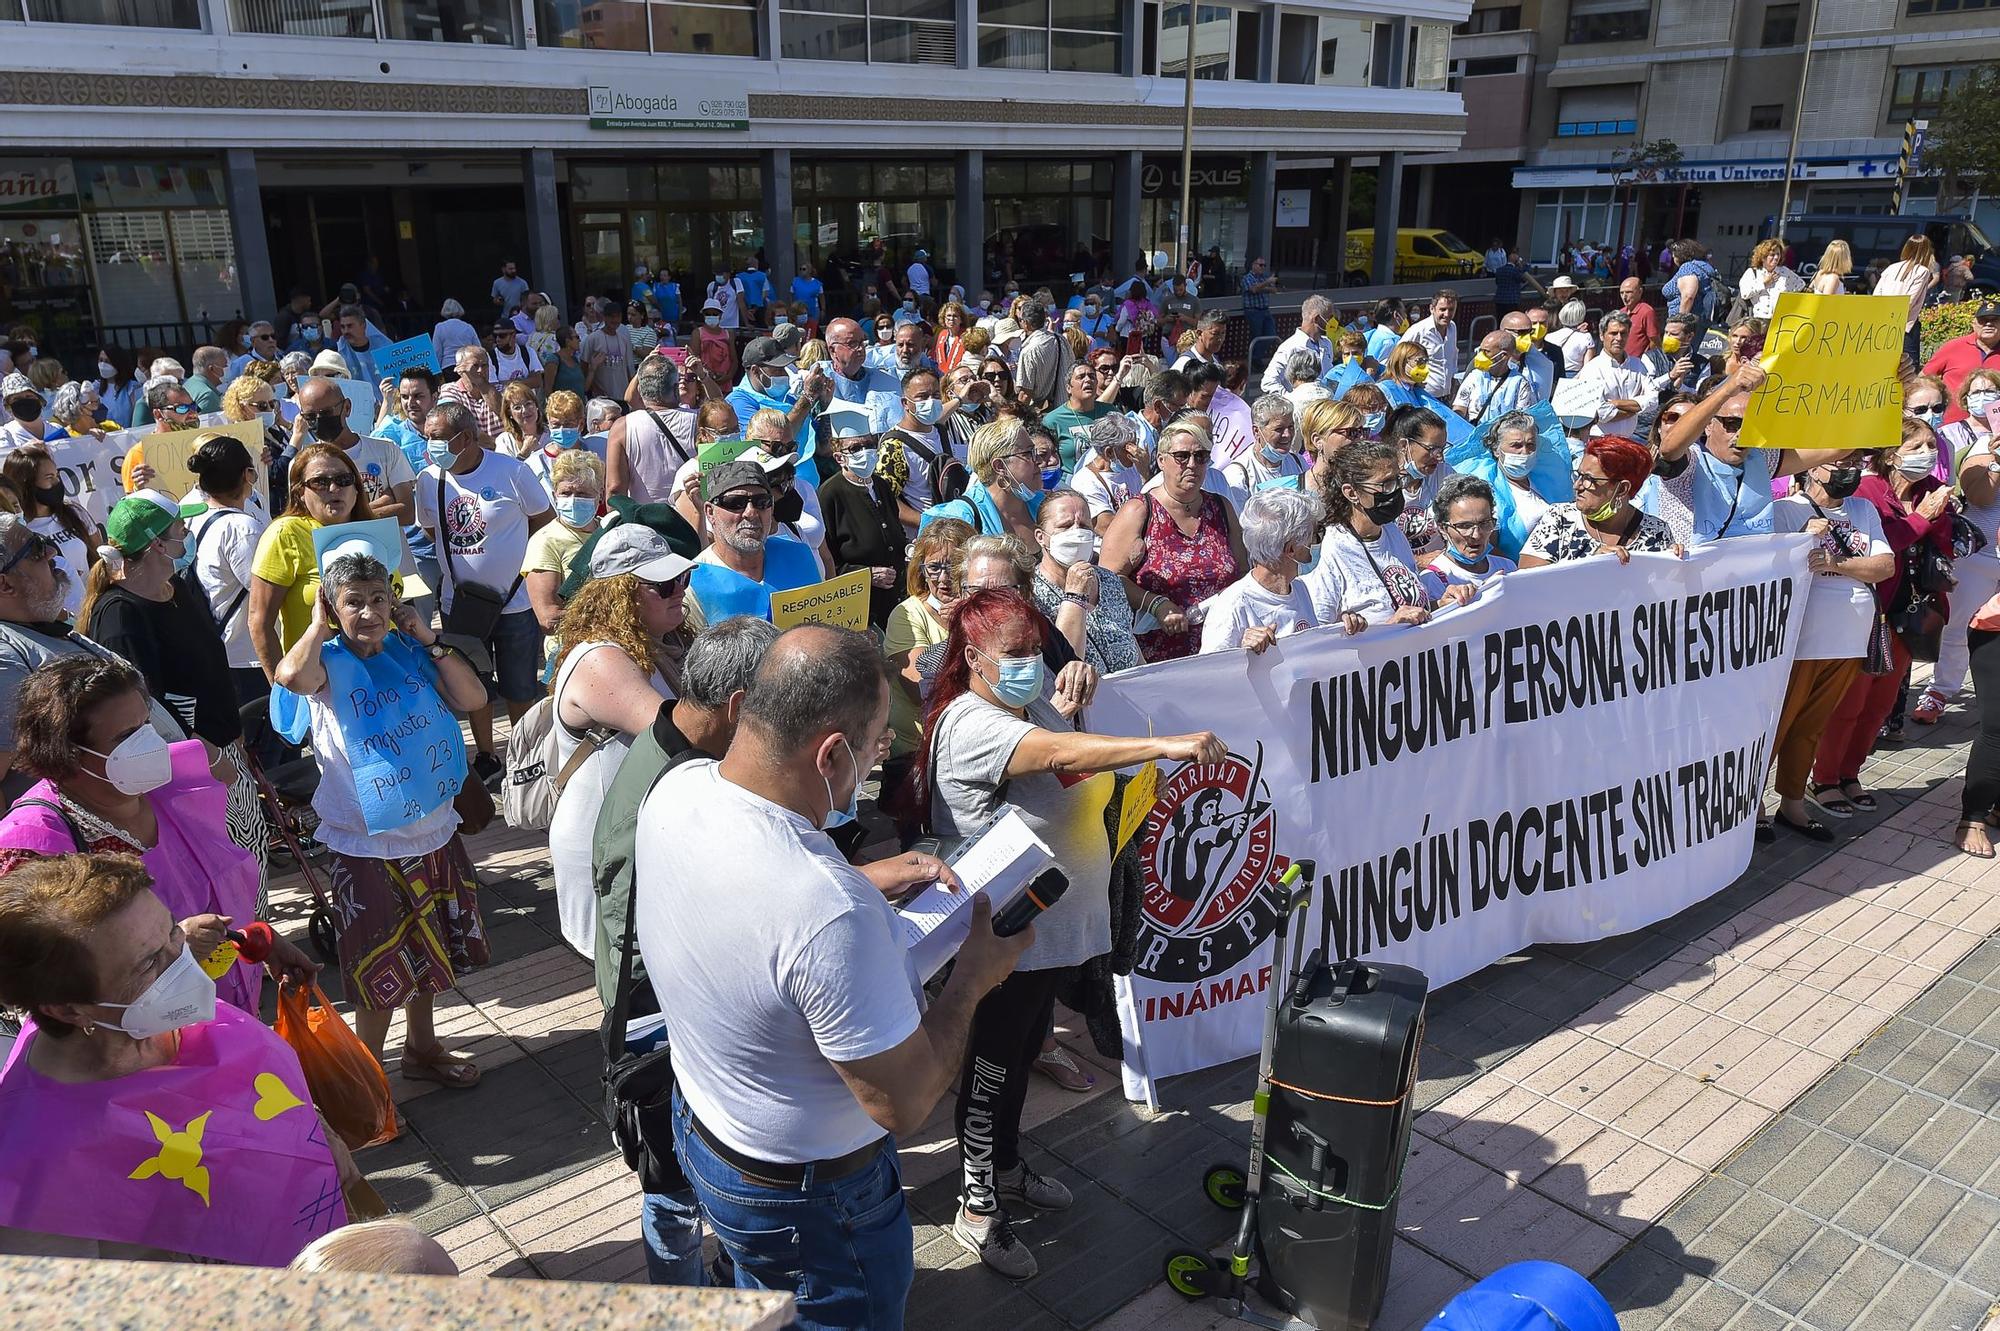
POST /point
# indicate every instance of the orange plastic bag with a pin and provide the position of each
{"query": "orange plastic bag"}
(347, 1083)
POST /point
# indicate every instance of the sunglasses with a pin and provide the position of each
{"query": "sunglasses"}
(328, 484)
(36, 547)
(264, 403)
(994, 378)
(182, 408)
(1730, 424)
(1198, 458)
(667, 590)
(736, 503)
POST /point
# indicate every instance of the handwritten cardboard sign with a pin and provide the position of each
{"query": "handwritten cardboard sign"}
(1830, 374)
(841, 602)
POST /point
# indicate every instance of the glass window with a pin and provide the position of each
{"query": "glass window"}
(1213, 29)
(609, 182)
(597, 25)
(936, 11)
(822, 36)
(1781, 25)
(1430, 56)
(1618, 25)
(205, 260)
(1922, 7)
(1064, 35)
(1769, 116)
(149, 184)
(1086, 15)
(1346, 46)
(309, 18)
(1921, 91)
(122, 13)
(473, 22)
(1005, 175)
(899, 41)
(1013, 48)
(707, 29)
(132, 268)
(1015, 13)
(1503, 18)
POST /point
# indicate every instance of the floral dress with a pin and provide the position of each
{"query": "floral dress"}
(1562, 535)
(1185, 569)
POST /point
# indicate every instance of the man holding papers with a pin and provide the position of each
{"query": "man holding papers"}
(801, 1046)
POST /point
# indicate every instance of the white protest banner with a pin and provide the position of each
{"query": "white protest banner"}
(1577, 754)
(89, 469)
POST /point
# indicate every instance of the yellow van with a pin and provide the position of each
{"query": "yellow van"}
(1423, 254)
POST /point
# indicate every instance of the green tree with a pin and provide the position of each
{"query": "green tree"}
(1962, 145)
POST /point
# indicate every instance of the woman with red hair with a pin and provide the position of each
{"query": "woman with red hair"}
(1602, 520)
(995, 743)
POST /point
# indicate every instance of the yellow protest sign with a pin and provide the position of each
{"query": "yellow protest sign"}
(167, 452)
(1140, 792)
(841, 602)
(1830, 374)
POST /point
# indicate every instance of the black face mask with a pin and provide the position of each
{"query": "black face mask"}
(788, 506)
(50, 496)
(1386, 509)
(1843, 482)
(25, 409)
(328, 426)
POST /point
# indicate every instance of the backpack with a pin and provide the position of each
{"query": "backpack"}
(534, 780)
(190, 582)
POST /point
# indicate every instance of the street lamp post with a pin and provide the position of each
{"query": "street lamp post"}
(1798, 115)
(1187, 146)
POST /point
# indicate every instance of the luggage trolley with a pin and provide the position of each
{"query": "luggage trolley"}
(1329, 1129)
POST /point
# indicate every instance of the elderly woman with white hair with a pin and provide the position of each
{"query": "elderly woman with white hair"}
(452, 332)
(403, 887)
(1280, 529)
(1108, 467)
(1302, 379)
(77, 408)
(1572, 337)
(1275, 460)
(1006, 492)
(294, 366)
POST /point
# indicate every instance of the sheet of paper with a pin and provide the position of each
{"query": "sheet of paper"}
(1000, 863)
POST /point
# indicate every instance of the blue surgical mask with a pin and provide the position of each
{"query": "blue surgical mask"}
(1413, 474)
(438, 451)
(1978, 404)
(1372, 422)
(1018, 679)
(564, 436)
(927, 410)
(1312, 562)
(185, 557)
(1051, 477)
(862, 461)
(1464, 560)
(576, 510)
(1274, 456)
(836, 817)
(1026, 493)
(1517, 465)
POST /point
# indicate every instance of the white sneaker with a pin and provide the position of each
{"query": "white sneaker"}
(991, 1239)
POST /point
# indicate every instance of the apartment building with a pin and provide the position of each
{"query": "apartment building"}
(174, 161)
(1554, 88)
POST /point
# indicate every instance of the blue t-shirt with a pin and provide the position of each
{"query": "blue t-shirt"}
(1704, 304)
(667, 295)
(756, 288)
(723, 592)
(806, 290)
(1381, 341)
(1729, 501)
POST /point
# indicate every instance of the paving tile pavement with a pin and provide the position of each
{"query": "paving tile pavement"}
(1775, 1108)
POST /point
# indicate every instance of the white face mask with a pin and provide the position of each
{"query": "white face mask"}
(1517, 465)
(182, 996)
(1917, 464)
(1073, 545)
(140, 762)
(106, 370)
(861, 462)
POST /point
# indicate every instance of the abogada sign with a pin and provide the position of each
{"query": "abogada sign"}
(680, 104)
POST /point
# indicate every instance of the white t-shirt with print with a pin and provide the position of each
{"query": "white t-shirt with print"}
(1105, 493)
(482, 535)
(1346, 581)
(383, 466)
(770, 973)
(1246, 603)
(1840, 612)
(1443, 571)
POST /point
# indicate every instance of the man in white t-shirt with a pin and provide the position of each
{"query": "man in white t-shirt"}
(916, 434)
(386, 477)
(726, 294)
(917, 279)
(480, 509)
(511, 359)
(1309, 336)
(802, 1047)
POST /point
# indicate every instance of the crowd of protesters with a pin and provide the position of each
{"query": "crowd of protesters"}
(586, 524)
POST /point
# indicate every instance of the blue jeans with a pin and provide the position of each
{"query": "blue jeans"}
(670, 1222)
(842, 1249)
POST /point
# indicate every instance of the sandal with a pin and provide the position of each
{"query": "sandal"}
(454, 1071)
(1812, 829)
(1929, 708)
(1857, 795)
(1973, 825)
(1060, 1068)
(1766, 833)
(1837, 807)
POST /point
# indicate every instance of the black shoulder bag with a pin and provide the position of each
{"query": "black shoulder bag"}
(639, 1088)
(475, 608)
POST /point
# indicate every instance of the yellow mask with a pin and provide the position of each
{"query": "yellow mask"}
(1349, 358)
(1419, 373)
(1481, 361)
(1670, 344)
(1524, 342)
(1541, 331)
